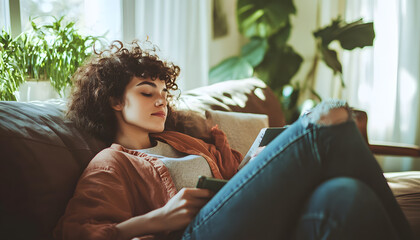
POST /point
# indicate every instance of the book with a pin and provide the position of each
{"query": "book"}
(264, 137)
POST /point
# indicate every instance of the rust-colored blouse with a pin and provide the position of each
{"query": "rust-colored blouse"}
(119, 184)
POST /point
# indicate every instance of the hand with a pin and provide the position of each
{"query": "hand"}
(182, 208)
(176, 214)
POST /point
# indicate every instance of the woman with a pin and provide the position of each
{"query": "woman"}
(316, 180)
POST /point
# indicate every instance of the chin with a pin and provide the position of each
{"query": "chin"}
(157, 130)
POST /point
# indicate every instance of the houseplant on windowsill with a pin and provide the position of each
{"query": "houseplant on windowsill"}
(49, 52)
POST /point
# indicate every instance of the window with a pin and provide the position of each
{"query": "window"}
(182, 38)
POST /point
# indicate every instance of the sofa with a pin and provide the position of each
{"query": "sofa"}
(43, 154)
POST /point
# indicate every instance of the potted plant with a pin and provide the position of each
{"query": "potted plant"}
(48, 52)
(267, 25)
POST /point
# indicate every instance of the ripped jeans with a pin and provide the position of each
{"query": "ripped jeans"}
(316, 180)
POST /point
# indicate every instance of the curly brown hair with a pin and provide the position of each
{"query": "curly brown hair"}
(106, 76)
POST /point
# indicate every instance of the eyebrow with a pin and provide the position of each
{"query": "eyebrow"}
(150, 84)
(146, 83)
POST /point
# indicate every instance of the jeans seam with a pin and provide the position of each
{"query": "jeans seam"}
(315, 147)
(250, 176)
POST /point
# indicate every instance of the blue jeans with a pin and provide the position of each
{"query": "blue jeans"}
(311, 182)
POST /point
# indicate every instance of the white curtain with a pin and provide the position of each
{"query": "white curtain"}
(181, 30)
(385, 79)
(4, 15)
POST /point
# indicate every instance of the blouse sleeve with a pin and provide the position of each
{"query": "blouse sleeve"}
(101, 201)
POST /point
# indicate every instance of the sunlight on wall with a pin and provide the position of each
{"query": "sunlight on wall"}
(385, 72)
(407, 90)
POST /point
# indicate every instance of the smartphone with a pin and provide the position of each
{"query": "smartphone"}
(270, 134)
(213, 184)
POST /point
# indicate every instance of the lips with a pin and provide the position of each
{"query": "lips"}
(161, 114)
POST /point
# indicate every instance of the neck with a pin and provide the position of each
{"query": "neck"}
(132, 139)
(131, 136)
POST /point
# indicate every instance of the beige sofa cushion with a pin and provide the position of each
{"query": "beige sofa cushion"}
(405, 186)
(241, 128)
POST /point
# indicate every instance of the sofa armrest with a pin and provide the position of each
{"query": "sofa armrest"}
(394, 149)
(383, 148)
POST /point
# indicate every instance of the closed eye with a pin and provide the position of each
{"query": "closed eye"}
(146, 94)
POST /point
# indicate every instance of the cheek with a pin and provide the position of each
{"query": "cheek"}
(133, 108)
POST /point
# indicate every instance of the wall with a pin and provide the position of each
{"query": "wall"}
(312, 15)
(230, 44)
(301, 38)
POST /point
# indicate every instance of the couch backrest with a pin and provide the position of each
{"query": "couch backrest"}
(248, 95)
(43, 154)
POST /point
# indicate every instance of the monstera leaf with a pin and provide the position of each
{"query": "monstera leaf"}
(263, 18)
(330, 58)
(356, 34)
(279, 39)
(349, 35)
(279, 66)
(242, 66)
(231, 68)
(255, 50)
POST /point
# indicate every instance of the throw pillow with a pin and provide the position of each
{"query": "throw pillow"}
(241, 128)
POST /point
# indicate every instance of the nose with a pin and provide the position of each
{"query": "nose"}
(161, 101)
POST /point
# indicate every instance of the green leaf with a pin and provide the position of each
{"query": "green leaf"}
(263, 18)
(231, 68)
(280, 38)
(52, 51)
(360, 35)
(350, 35)
(328, 34)
(254, 51)
(330, 58)
(70, 25)
(279, 66)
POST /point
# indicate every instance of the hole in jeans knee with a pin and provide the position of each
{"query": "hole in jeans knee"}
(330, 113)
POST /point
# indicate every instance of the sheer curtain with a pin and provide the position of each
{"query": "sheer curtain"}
(181, 29)
(4, 15)
(385, 80)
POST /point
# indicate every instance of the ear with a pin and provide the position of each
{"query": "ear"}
(116, 104)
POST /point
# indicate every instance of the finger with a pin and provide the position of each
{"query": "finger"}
(198, 193)
(198, 202)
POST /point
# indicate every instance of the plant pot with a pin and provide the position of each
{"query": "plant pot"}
(36, 91)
